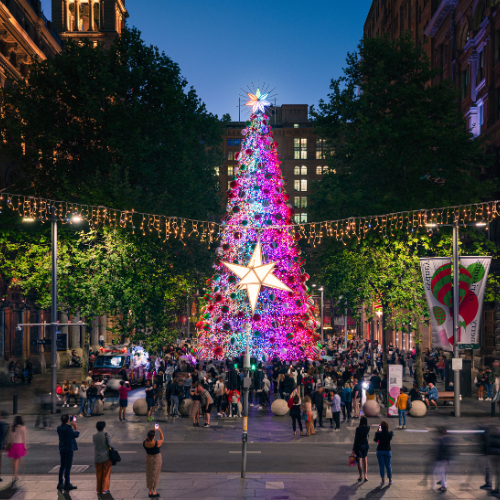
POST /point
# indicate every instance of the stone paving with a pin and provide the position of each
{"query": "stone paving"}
(220, 486)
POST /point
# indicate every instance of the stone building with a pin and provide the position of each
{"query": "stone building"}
(301, 151)
(462, 37)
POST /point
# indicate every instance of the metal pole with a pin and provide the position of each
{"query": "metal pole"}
(322, 333)
(345, 329)
(188, 314)
(372, 326)
(246, 387)
(456, 326)
(2, 336)
(54, 310)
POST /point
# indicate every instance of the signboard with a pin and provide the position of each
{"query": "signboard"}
(437, 274)
(468, 346)
(41, 342)
(394, 384)
(61, 341)
(456, 364)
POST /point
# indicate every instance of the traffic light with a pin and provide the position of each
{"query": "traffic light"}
(253, 367)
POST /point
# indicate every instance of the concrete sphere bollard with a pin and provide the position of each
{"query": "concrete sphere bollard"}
(371, 408)
(184, 407)
(418, 409)
(98, 407)
(140, 407)
(279, 407)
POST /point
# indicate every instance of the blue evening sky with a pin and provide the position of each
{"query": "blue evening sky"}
(223, 46)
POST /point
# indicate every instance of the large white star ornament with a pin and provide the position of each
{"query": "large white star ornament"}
(258, 101)
(256, 275)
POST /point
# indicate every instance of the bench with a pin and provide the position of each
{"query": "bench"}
(446, 396)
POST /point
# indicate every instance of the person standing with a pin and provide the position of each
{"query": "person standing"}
(65, 393)
(101, 340)
(16, 444)
(206, 404)
(176, 391)
(73, 393)
(383, 439)
(360, 447)
(83, 398)
(295, 414)
(4, 427)
(92, 397)
(153, 461)
(102, 443)
(402, 406)
(307, 408)
(194, 408)
(489, 380)
(123, 391)
(317, 401)
(335, 405)
(150, 399)
(219, 392)
(68, 433)
(479, 383)
(356, 397)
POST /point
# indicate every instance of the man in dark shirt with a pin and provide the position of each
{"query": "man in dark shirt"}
(317, 400)
(375, 380)
(67, 446)
(430, 377)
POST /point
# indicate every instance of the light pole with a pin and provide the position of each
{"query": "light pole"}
(246, 387)
(456, 301)
(321, 289)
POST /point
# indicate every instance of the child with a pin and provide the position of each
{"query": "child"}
(224, 403)
(234, 398)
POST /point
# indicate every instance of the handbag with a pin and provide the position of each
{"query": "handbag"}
(314, 414)
(304, 416)
(114, 456)
(328, 412)
(351, 462)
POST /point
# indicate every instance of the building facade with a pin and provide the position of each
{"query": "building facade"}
(97, 20)
(301, 151)
(462, 37)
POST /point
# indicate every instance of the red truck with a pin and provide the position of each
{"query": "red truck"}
(113, 359)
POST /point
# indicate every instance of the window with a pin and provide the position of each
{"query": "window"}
(300, 202)
(300, 149)
(296, 125)
(303, 170)
(320, 149)
(229, 142)
(296, 170)
(465, 84)
(303, 184)
(230, 155)
(300, 218)
(319, 170)
(217, 171)
(230, 170)
(480, 112)
(326, 170)
(296, 185)
(236, 142)
(228, 185)
(480, 67)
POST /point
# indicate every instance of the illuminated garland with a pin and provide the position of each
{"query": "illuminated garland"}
(38, 208)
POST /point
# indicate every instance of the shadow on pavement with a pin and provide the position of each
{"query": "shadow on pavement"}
(8, 492)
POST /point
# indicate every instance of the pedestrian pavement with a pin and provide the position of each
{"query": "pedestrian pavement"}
(341, 485)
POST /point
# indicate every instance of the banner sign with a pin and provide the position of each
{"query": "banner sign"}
(394, 385)
(438, 283)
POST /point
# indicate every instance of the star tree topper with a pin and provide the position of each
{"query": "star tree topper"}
(258, 101)
(256, 275)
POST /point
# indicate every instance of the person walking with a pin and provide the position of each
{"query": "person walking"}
(479, 383)
(92, 398)
(65, 394)
(176, 391)
(194, 409)
(102, 443)
(16, 444)
(383, 439)
(443, 456)
(403, 404)
(295, 414)
(153, 460)
(123, 391)
(73, 393)
(307, 408)
(335, 405)
(220, 389)
(150, 399)
(360, 447)
(489, 380)
(356, 397)
(317, 401)
(67, 433)
(4, 427)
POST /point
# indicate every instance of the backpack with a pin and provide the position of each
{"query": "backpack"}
(308, 387)
(408, 404)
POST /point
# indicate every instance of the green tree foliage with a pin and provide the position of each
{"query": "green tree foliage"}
(116, 128)
(396, 143)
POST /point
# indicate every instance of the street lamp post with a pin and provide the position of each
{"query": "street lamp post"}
(53, 382)
(246, 387)
(321, 289)
(456, 301)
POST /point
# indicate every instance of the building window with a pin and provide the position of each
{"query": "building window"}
(465, 83)
(303, 184)
(236, 142)
(228, 185)
(319, 170)
(296, 125)
(296, 170)
(229, 142)
(296, 185)
(303, 170)
(480, 67)
(230, 170)
(217, 171)
(300, 202)
(481, 116)
(230, 155)
(300, 149)
(326, 170)
(320, 149)
(300, 218)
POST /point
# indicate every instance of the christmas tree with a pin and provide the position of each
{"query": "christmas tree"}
(259, 283)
